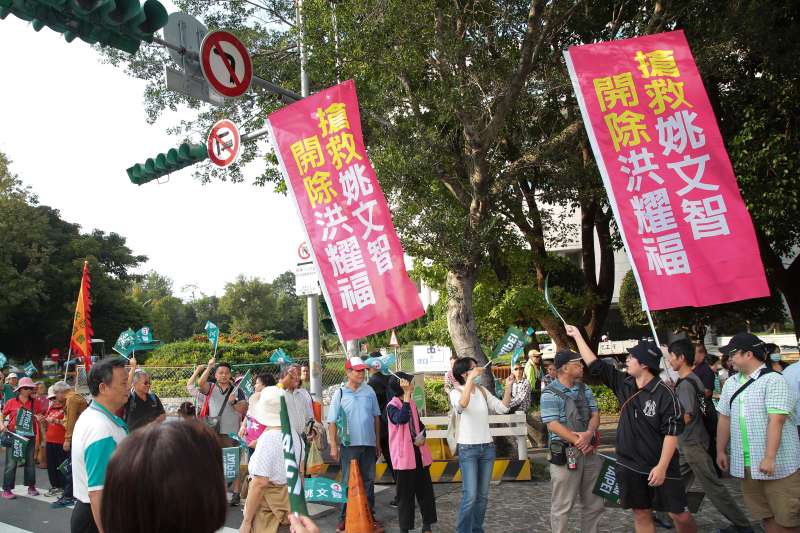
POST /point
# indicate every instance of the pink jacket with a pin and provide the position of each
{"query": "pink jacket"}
(401, 445)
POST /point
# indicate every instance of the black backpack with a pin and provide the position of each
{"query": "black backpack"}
(709, 417)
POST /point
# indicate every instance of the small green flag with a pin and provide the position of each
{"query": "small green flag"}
(30, 369)
(213, 334)
(322, 489)
(19, 447)
(125, 343)
(294, 483)
(279, 357)
(65, 467)
(3, 360)
(246, 384)
(238, 440)
(230, 462)
(607, 485)
(514, 337)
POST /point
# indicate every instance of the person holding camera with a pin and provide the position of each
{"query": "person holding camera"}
(569, 410)
(410, 456)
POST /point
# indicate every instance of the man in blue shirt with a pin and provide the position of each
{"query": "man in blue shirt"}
(570, 412)
(354, 411)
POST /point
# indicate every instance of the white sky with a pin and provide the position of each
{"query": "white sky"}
(71, 126)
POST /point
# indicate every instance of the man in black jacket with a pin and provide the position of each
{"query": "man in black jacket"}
(650, 421)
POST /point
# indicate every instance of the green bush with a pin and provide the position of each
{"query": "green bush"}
(233, 349)
(606, 399)
(436, 399)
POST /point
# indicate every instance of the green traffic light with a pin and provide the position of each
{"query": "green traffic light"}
(120, 24)
(162, 164)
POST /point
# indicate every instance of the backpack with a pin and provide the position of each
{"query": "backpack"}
(709, 417)
(576, 410)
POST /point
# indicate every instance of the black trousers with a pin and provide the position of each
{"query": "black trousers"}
(82, 520)
(55, 456)
(413, 484)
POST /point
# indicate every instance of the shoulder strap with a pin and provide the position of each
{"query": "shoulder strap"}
(629, 399)
(557, 392)
(224, 400)
(765, 370)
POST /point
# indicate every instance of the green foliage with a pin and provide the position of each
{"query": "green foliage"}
(235, 349)
(725, 318)
(436, 400)
(607, 401)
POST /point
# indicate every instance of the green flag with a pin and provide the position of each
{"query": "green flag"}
(66, 467)
(322, 489)
(30, 369)
(3, 360)
(606, 485)
(213, 334)
(24, 422)
(230, 462)
(514, 337)
(246, 384)
(279, 357)
(294, 483)
(238, 440)
(19, 446)
(125, 343)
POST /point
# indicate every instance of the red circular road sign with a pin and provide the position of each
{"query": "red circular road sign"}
(226, 64)
(223, 143)
(303, 252)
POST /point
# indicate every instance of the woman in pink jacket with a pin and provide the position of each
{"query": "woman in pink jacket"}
(411, 458)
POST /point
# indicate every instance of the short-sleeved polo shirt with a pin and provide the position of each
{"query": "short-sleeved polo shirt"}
(361, 407)
(96, 436)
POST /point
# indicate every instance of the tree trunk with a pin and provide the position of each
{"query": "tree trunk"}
(787, 280)
(460, 315)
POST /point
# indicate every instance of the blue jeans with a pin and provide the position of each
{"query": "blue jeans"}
(365, 456)
(476, 462)
(29, 470)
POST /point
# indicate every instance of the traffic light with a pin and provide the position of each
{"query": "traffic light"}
(120, 24)
(162, 164)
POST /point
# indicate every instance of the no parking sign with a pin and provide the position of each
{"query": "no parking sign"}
(223, 143)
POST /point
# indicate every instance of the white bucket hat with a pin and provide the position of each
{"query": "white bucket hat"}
(267, 410)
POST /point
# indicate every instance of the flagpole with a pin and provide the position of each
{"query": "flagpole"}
(66, 365)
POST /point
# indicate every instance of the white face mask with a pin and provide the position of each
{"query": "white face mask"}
(775, 357)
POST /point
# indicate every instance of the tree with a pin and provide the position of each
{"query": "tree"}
(251, 305)
(732, 318)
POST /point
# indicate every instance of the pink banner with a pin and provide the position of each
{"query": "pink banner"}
(348, 223)
(669, 180)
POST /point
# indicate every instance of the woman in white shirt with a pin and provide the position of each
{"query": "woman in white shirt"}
(475, 447)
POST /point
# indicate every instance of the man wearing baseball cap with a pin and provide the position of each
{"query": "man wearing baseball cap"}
(354, 408)
(754, 407)
(650, 420)
(8, 389)
(570, 412)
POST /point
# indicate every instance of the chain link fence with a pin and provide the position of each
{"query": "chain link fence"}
(169, 382)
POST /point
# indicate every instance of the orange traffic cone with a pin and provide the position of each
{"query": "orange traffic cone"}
(358, 518)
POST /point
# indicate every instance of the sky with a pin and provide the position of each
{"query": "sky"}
(72, 126)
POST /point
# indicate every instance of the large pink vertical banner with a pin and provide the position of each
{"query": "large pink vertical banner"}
(669, 180)
(358, 256)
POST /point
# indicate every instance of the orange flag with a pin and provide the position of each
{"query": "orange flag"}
(81, 341)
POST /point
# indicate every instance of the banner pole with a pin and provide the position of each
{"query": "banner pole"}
(66, 365)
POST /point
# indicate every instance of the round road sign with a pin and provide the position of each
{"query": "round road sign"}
(226, 64)
(223, 143)
(303, 252)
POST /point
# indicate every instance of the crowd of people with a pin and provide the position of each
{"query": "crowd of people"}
(738, 414)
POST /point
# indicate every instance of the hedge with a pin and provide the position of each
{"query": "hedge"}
(234, 349)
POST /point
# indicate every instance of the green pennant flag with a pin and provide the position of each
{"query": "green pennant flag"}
(607, 485)
(230, 462)
(279, 357)
(514, 337)
(24, 422)
(66, 467)
(19, 446)
(294, 483)
(30, 369)
(213, 334)
(238, 440)
(3, 360)
(322, 489)
(125, 343)
(246, 384)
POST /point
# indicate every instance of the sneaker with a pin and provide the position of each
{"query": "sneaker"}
(8, 495)
(62, 502)
(235, 500)
(32, 491)
(54, 492)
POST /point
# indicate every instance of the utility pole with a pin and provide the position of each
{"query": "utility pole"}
(312, 300)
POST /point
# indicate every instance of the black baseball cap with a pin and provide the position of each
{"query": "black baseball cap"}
(747, 342)
(648, 354)
(565, 356)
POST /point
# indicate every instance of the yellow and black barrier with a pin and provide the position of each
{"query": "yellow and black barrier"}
(448, 471)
